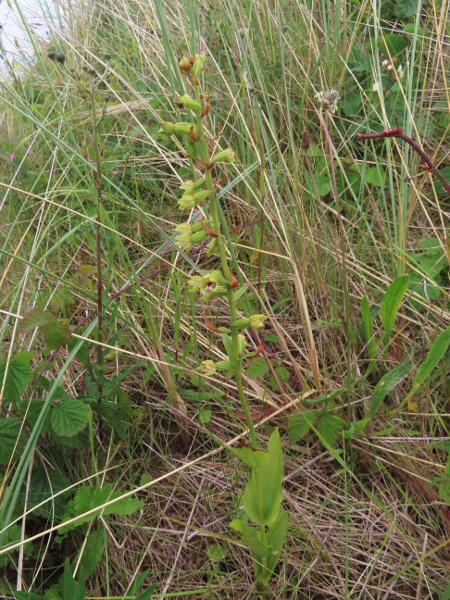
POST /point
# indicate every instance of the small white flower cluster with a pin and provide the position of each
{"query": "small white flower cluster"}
(386, 64)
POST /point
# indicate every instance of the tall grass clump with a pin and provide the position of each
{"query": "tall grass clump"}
(224, 345)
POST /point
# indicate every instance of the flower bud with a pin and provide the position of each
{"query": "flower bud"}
(198, 64)
(198, 237)
(257, 321)
(213, 247)
(184, 65)
(188, 102)
(207, 367)
(242, 343)
(227, 156)
(186, 202)
(241, 323)
(200, 196)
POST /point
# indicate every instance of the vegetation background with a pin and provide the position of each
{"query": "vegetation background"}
(114, 472)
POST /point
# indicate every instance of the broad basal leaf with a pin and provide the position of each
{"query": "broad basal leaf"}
(387, 383)
(435, 354)
(271, 476)
(391, 301)
(69, 417)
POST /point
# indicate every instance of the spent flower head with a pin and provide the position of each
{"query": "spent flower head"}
(328, 100)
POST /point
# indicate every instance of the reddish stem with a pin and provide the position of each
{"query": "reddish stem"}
(398, 133)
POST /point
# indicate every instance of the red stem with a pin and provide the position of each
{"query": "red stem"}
(398, 133)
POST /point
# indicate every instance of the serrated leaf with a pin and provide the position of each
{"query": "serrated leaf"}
(374, 176)
(351, 103)
(60, 299)
(56, 334)
(35, 318)
(257, 368)
(75, 441)
(87, 499)
(9, 433)
(69, 417)
(445, 172)
(329, 428)
(32, 409)
(18, 376)
(391, 302)
(387, 383)
(404, 9)
(299, 425)
(42, 486)
(395, 43)
(435, 354)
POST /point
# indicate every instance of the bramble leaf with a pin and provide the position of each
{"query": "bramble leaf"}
(69, 417)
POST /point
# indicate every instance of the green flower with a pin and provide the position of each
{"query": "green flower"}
(186, 202)
(207, 284)
(198, 64)
(226, 156)
(257, 321)
(188, 102)
(184, 237)
(207, 367)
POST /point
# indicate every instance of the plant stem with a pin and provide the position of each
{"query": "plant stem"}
(398, 133)
(226, 271)
(98, 185)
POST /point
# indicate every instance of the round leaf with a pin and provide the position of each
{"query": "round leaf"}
(69, 417)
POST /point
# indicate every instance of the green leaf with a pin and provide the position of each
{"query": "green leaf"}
(271, 476)
(367, 328)
(435, 354)
(43, 485)
(257, 368)
(283, 376)
(374, 176)
(83, 351)
(228, 343)
(56, 334)
(299, 425)
(87, 499)
(351, 103)
(75, 441)
(148, 593)
(18, 376)
(275, 538)
(329, 428)
(9, 434)
(405, 9)
(252, 459)
(92, 552)
(33, 409)
(387, 383)
(61, 298)
(204, 415)
(36, 318)
(69, 417)
(391, 302)
(322, 183)
(395, 43)
(251, 538)
(27, 596)
(445, 172)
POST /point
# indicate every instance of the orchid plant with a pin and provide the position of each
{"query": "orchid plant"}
(262, 527)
